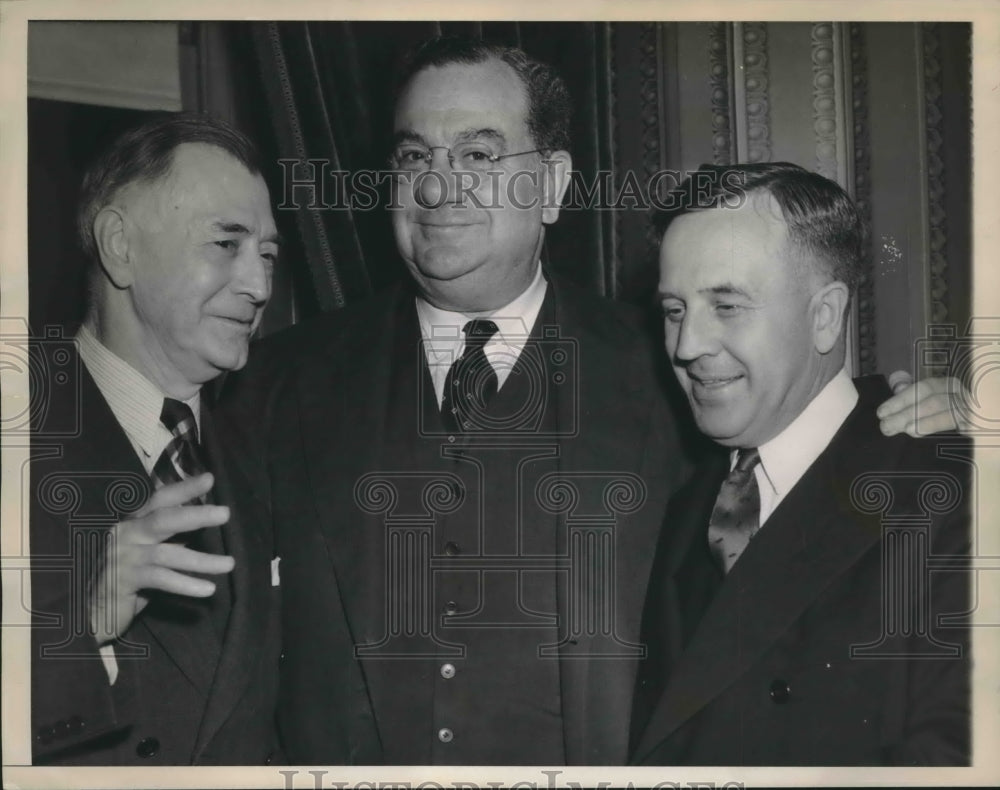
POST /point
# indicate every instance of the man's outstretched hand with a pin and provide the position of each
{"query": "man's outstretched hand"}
(143, 559)
(923, 408)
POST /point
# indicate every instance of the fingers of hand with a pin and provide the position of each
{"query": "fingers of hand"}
(158, 577)
(926, 396)
(174, 494)
(933, 423)
(899, 380)
(134, 562)
(933, 414)
(180, 558)
(161, 524)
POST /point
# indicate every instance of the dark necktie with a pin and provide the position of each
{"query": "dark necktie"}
(471, 381)
(182, 459)
(736, 515)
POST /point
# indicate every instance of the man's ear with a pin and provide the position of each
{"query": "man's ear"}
(112, 246)
(829, 305)
(557, 166)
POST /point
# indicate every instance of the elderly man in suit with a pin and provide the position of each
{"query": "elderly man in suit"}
(779, 628)
(467, 472)
(155, 630)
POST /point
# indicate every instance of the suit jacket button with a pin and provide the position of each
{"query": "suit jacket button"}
(445, 735)
(76, 725)
(780, 692)
(46, 733)
(147, 747)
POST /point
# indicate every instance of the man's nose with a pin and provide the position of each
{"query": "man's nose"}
(437, 185)
(695, 336)
(253, 275)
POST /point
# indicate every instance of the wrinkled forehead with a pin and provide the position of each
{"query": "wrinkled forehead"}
(204, 181)
(446, 103)
(198, 167)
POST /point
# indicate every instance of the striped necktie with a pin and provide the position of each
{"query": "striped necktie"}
(183, 457)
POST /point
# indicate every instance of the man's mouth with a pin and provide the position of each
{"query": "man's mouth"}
(246, 322)
(713, 382)
(446, 225)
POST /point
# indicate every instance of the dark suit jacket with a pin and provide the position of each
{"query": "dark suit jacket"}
(759, 668)
(321, 393)
(80, 485)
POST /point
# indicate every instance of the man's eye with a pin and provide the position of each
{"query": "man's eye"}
(727, 308)
(673, 314)
(270, 257)
(228, 244)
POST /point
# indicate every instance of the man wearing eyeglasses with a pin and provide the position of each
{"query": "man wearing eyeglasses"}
(466, 473)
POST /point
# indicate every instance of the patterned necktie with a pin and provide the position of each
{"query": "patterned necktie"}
(736, 515)
(471, 381)
(182, 458)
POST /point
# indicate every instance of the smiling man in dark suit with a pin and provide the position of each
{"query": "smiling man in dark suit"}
(467, 472)
(155, 634)
(780, 630)
(444, 423)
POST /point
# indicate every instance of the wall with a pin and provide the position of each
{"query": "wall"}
(114, 64)
(884, 109)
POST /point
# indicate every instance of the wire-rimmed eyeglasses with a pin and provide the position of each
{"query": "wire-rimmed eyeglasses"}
(476, 157)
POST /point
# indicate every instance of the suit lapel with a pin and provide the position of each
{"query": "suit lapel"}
(597, 689)
(785, 568)
(691, 575)
(344, 401)
(244, 538)
(103, 445)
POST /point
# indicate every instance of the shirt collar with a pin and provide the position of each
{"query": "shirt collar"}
(134, 400)
(442, 329)
(786, 457)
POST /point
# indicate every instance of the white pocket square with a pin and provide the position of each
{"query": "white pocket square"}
(275, 575)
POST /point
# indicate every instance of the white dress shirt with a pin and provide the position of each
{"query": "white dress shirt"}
(444, 340)
(786, 457)
(134, 400)
(136, 403)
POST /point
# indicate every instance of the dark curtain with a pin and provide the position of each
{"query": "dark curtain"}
(328, 92)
